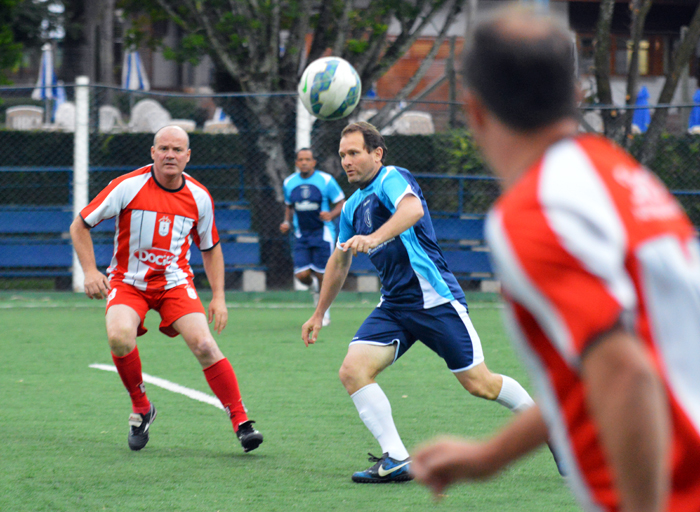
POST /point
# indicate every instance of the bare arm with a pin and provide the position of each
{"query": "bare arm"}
(333, 213)
(408, 212)
(628, 401)
(287, 222)
(336, 272)
(445, 461)
(96, 283)
(214, 268)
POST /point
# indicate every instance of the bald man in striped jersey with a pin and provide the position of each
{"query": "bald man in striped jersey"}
(160, 211)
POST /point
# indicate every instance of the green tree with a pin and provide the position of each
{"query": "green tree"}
(618, 127)
(23, 24)
(261, 47)
(10, 49)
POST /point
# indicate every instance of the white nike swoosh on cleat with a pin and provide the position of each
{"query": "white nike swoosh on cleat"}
(382, 472)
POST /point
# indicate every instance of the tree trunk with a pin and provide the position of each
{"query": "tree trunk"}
(680, 59)
(639, 9)
(106, 35)
(602, 65)
(266, 138)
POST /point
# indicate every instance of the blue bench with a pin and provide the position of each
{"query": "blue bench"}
(462, 243)
(34, 241)
(461, 231)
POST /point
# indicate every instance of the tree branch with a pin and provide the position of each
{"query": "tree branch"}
(602, 62)
(680, 59)
(382, 118)
(640, 9)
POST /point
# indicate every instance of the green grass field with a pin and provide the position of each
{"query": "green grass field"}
(64, 425)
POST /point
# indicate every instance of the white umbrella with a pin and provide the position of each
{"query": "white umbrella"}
(44, 89)
(133, 74)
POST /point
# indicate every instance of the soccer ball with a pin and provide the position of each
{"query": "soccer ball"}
(330, 88)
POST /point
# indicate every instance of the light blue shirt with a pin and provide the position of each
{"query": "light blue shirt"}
(309, 197)
(411, 267)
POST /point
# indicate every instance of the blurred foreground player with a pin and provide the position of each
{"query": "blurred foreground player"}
(600, 270)
(160, 211)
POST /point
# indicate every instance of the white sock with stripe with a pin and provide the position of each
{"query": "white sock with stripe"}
(513, 395)
(375, 412)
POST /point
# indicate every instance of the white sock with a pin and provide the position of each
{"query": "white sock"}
(314, 287)
(513, 395)
(375, 412)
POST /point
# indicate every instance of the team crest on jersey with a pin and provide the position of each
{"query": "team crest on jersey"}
(305, 192)
(164, 226)
(368, 219)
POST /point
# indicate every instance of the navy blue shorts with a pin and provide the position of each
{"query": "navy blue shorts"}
(446, 329)
(311, 253)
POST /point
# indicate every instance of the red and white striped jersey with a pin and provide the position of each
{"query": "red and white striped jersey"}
(586, 238)
(155, 228)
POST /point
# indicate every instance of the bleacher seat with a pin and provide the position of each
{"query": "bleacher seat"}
(468, 263)
(24, 117)
(34, 241)
(467, 231)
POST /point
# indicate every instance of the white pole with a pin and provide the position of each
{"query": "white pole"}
(304, 123)
(81, 154)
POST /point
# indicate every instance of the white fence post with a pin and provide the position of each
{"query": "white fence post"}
(81, 157)
(304, 123)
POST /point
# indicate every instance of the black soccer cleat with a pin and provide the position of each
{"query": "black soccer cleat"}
(140, 425)
(386, 470)
(249, 437)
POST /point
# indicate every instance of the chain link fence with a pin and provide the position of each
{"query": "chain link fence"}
(243, 146)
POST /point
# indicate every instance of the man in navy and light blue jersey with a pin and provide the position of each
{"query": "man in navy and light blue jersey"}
(309, 195)
(388, 219)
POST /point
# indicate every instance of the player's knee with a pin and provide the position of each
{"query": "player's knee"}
(121, 339)
(304, 277)
(204, 348)
(351, 377)
(480, 388)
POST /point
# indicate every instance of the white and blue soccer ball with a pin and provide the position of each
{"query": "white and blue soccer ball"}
(330, 88)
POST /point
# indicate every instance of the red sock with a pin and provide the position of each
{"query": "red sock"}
(222, 381)
(129, 368)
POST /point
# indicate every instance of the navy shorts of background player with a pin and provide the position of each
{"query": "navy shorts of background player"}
(421, 298)
(314, 238)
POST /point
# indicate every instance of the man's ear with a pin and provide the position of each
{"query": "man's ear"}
(475, 110)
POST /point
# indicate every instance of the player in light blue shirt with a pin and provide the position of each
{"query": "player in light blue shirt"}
(309, 195)
(388, 218)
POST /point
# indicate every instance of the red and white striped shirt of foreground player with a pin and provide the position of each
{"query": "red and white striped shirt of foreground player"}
(160, 211)
(596, 257)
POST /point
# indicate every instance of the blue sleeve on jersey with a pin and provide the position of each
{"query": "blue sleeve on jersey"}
(393, 187)
(287, 190)
(333, 191)
(346, 231)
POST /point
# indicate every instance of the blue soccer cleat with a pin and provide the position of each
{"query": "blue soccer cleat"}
(385, 470)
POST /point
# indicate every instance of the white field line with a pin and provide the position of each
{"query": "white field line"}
(170, 386)
(235, 305)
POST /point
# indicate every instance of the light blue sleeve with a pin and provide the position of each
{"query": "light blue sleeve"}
(393, 187)
(287, 191)
(333, 191)
(345, 230)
